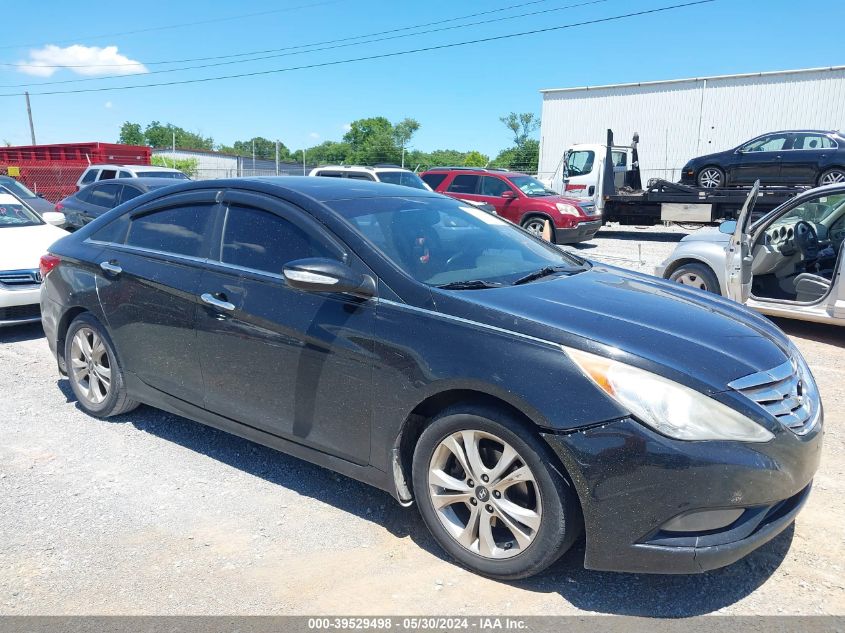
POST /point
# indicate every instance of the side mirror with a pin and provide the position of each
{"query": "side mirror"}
(53, 217)
(728, 227)
(508, 195)
(327, 275)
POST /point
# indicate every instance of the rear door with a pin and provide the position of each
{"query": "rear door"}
(738, 257)
(295, 364)
(148, 288)
(802, 163)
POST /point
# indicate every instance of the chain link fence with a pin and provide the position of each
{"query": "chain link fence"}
(52, 180)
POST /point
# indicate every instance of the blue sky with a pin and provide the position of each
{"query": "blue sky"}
(456, 94)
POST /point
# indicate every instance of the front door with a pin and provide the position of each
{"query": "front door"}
(498, 193)
(148, 290)
(759, 160)
(738, 258)
(292, 363)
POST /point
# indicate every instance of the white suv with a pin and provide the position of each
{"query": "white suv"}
(93, 173)
(391, 174)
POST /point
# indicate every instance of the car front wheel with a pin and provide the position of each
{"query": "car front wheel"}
(488, 492)
(711, 178)
(696, 276)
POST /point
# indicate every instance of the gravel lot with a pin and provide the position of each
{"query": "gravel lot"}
(150, 513)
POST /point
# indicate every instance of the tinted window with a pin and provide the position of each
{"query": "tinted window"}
(464, 183)
(180, 230)
(264, 241)
(329, 174)
(175, 175)
(105, 196)
(129, 193)
(491, 186)
(405, 178)
(434, 180)
(113, 232)
(355, 176)
(107, 174)
(812, 141)
(89, 176)
(124, 174)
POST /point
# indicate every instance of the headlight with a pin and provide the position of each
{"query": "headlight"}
(567, 209)
(666, 406)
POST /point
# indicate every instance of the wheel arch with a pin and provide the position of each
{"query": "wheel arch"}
(536, 214)
(61, 333)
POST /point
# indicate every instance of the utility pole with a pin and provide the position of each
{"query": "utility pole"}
(277, 157)
(174, 149)
(253, 157)
(29, 113)
(303, 162)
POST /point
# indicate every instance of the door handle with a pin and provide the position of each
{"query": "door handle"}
(217, 303)
(108, 267)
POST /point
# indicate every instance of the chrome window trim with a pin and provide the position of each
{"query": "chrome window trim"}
(477, 324)
(146, 251)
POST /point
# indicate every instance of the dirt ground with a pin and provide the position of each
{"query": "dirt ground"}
(150, 513)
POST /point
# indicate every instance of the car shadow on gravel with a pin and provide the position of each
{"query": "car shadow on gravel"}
(603, 592)
(21, 333)
(818, 332)
(661, 596)
(644, 236)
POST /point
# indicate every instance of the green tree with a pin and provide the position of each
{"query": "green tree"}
(525, 158)
(158, 135)
(264, 148)
(131, 134)
(475, 159)
(324, 153)
(522, 125)
(187, 166)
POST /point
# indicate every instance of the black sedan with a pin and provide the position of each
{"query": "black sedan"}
(798, 157)
(94, 200)
(36, 202)
(517, 393)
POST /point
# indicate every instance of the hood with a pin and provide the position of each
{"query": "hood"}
(21, 247)
(701, 160)
(695, 338)
(709, 234)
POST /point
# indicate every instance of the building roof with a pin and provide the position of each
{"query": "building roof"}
(695, 79)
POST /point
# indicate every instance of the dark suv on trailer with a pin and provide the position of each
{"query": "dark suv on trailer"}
(517, 393)
(521, 199)
(796, 157)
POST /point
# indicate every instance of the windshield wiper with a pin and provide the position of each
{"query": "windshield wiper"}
(543, 272)
(472, 284)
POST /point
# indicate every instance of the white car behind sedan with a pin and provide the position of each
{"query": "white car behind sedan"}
(24, 237)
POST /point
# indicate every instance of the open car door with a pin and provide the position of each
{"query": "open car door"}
(738, 252)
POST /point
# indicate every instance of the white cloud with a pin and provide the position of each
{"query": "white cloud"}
(82, 60)
(346, 127)
(108, 105)
(314, 135)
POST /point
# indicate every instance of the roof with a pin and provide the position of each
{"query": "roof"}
(695, 79)
(367, 168)
(483, 170)
(326, 189)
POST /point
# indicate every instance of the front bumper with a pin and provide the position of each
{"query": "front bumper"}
(631, 481)
(581, 232)
(19, 306)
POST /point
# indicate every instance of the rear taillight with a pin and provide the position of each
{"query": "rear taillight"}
(575, 187)
(48, 262)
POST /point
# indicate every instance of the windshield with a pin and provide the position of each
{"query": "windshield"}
(14, 213)
(442, 241)
(17, 188)
(580, 162)
(176, 175)
(531, 186)
(406, 178)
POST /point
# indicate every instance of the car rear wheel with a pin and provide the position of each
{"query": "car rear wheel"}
(711, 178)
(94, 373)
(832, 177)
(488, 492)
(696, 276)
(536, 225)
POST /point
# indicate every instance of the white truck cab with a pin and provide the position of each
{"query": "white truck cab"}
(582, 170)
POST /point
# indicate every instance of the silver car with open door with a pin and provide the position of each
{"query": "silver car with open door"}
(789, 263)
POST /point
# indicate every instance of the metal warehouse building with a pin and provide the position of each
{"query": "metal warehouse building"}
(683, 118)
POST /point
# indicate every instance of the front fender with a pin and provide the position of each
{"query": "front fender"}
(711, 254)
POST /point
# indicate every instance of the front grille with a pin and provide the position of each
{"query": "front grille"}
(786, 392)
(19, 278)
(20, 313)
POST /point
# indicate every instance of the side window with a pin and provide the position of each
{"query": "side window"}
(124, 174)
(263, 241)
(812, 141)
(89, 177)
(491, 186)
(180, 230)
(114, 232)
(330, 174)
(620, 159)
(357, 176)
(433, 180)
(129, 193)
(580, 163)
(773, 143)
(105, 196)
(107, 174)
(464, 183)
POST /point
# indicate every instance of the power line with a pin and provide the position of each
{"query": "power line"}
(178, 26)
(370, 57)
(286, 48)
(314, 50)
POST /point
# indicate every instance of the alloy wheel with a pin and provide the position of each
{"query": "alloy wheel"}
(691, 279)
(710, 178)
(832, 177)
(535, 226)
(484, 494)
(89, 362)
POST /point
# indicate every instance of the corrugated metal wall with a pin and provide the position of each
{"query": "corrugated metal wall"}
(680, 120)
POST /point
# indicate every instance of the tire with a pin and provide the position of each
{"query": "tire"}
(710, 177)
(541, 496)
(697, 276)
(535, 224)
(93, 370)
(833, 176)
